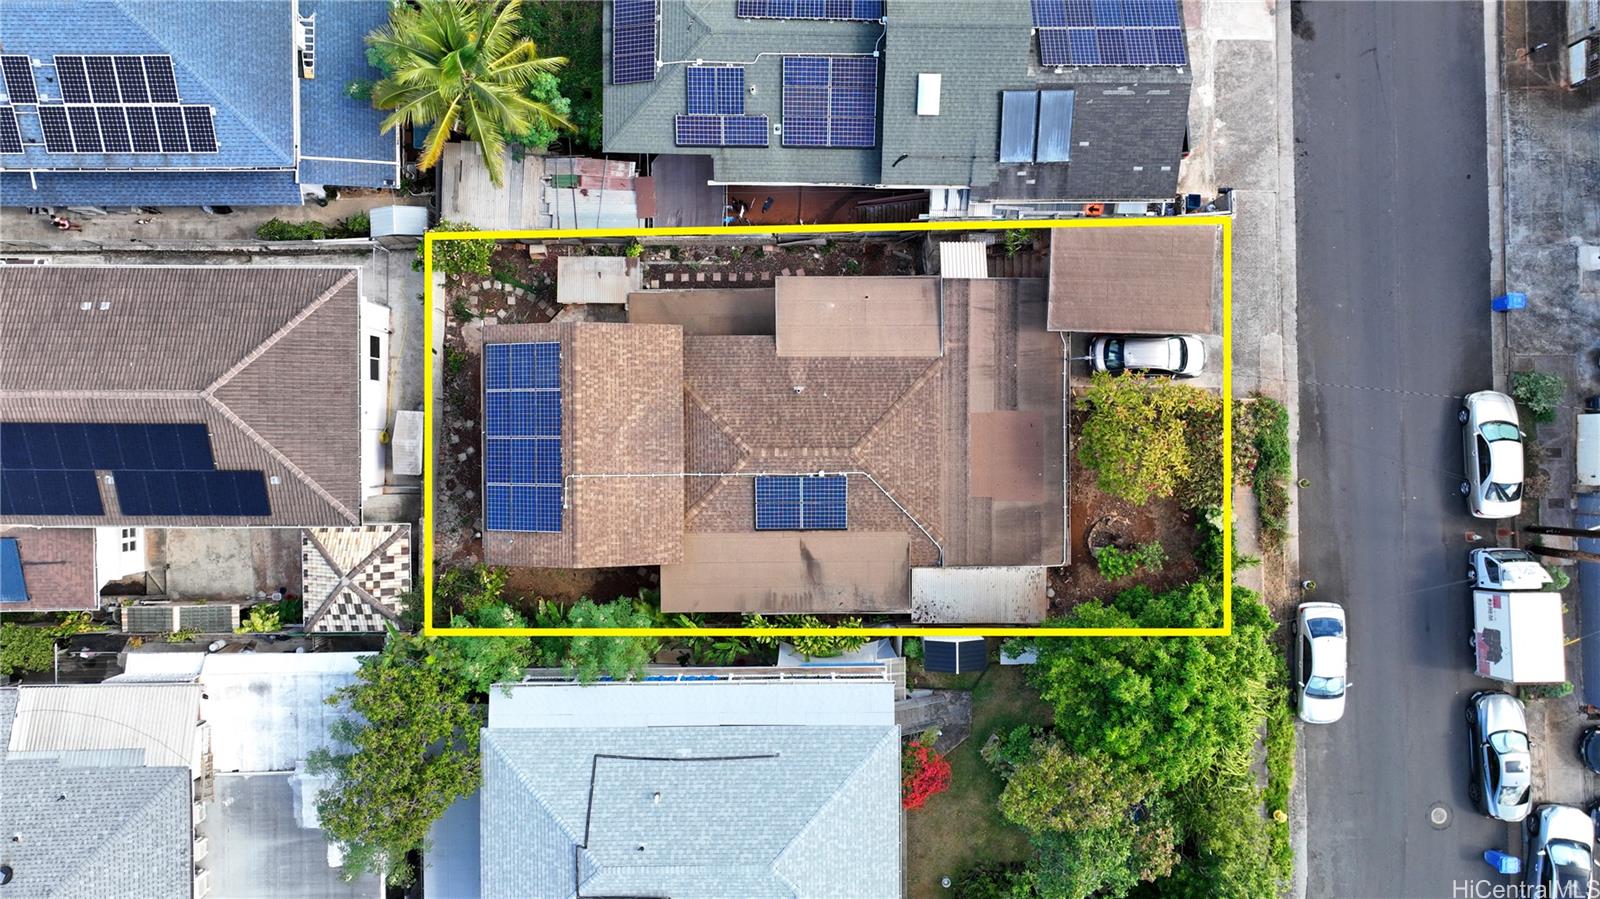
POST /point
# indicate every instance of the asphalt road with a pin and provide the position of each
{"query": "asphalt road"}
(1393, 329)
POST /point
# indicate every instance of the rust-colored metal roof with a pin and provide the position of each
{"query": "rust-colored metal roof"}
(1140, 280)
(57, 567)
(264, 356)
(622, 448)
(858, 317)
(790, 572)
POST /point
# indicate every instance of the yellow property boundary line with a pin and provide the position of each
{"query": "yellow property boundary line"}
(1226, 224)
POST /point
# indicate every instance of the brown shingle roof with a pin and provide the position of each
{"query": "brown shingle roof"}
(858, 317)
(263, 356)
(622, 397)
(57, 567)
(1134, 279)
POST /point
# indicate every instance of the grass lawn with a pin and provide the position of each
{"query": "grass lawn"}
(962, 827)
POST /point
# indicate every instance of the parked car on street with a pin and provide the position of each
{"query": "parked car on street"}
(1502, 768)
(1505, 568)
(1491, 445)
(1320, 661)
(1178, 356)
(1560, 851)
(1589, 749)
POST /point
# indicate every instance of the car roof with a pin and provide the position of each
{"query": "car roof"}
(1148, 352)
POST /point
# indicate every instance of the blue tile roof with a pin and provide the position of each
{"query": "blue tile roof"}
(237, 57)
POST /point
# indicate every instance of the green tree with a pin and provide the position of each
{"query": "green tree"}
(1228, 848)
(461, 65)
(577, 29)
(1057, 789)
(544, 88)
(24, 648)
(1172, 708)
(483, 662)
(461, 257)
(812, 646)
(414, 739)
(1539, 392)
(1105, 861)
(470, 590)
(620, 658)
(1136, 435)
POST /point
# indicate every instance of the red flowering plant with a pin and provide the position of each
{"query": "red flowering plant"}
(923, 773)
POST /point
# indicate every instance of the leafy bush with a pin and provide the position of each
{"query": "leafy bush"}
(461, 257)
(261, 619)
(573, 30)
(1559, 579)
(1280, 776)
(1005, 751)
(1549, 691)
(812, 646)
(1115, 564)
(278, 229)
(24, 649)
(1269, 430)
(925, 773)
(545, 88)
(1017, 239)
(469, 589)
(1539, 393)
(912, 649)
(1136, 438)
(634, 250)
(991, 881)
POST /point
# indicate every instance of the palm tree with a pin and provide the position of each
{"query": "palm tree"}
(459, 64)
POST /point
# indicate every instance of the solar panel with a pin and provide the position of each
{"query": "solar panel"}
(720, 130)
(119, 447)
(19, 79)
(158, 72)
(85, 129)
(72, 79)
(522, 437)
(10, 134)
(1018, 116)
(714, 90)
(801, 502)
(13, 587)
(114, 129)
(1109, 32)
(202, 136)
(842, 10)
(25, 492)
(130, 78)
(102, 79)
(142, 128)
(57, 135)
(830, 101)
(169, 126)
(633, 41)
(192, 493)
(1055, 126)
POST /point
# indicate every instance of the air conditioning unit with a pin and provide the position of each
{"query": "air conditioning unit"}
(199, 813)
(407, 443)
(306, 45)
(202, 882)
(201, 847)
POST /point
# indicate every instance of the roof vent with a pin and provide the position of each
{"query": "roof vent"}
(275, 480)
(928, 84)
(656, 798)
(104, 305)
(306, 44)
(85, 306)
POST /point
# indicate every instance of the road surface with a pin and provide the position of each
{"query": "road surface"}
(1393, 329)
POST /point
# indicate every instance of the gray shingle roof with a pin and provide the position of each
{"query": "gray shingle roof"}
(95, 832)
(743, 812)
(264, 356)
(1128, 122)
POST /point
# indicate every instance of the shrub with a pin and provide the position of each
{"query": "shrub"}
(812, 646)
(1137, 438)
(542, 132)
(262, 619)
(634, 250)
(925, 773)
(912, 648)
(989, 881)
(461, 257)
(1559, 579)
(1269, 429)
(1549, 691)
(24, 648)
(1115, 564)
(1017, 239)
(278, 229)
(1539, 393)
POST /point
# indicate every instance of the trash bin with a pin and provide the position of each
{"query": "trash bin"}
(1502, 862)
(1509, 301)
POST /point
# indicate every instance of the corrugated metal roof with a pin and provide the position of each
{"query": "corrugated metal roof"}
(161, 719)
(1010, 594)
(963, 259)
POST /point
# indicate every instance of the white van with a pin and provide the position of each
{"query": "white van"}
(1588, 461)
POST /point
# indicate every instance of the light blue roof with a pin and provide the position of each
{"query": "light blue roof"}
(235, 56)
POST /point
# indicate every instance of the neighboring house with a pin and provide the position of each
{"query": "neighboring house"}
(855, 444)
(48, 570)
(783, 788)
(267, 713)
(1054, 100)
(103, 787)
(115, 103)
(354, 578)
(136, 396)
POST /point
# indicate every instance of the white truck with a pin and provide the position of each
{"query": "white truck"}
(1506, 568)
(1517, 637)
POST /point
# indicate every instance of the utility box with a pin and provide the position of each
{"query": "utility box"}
(1509, 301)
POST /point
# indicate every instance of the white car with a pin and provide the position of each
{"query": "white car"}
(1320, 661)
(1491, 445)
(1560, 851)
(1179, 356)
(1505, 568)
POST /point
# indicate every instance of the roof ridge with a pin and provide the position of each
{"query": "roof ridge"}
(935, 367)
(891, 732)
(209, 395)
(523, 781)
(733, 437)
(346, 580)
(98, 855)
(248, 121)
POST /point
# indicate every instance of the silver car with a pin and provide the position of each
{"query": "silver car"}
(1491, 445)
(1560, 852)
(1502, 769)
(1319, 662)
(1180, 356)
